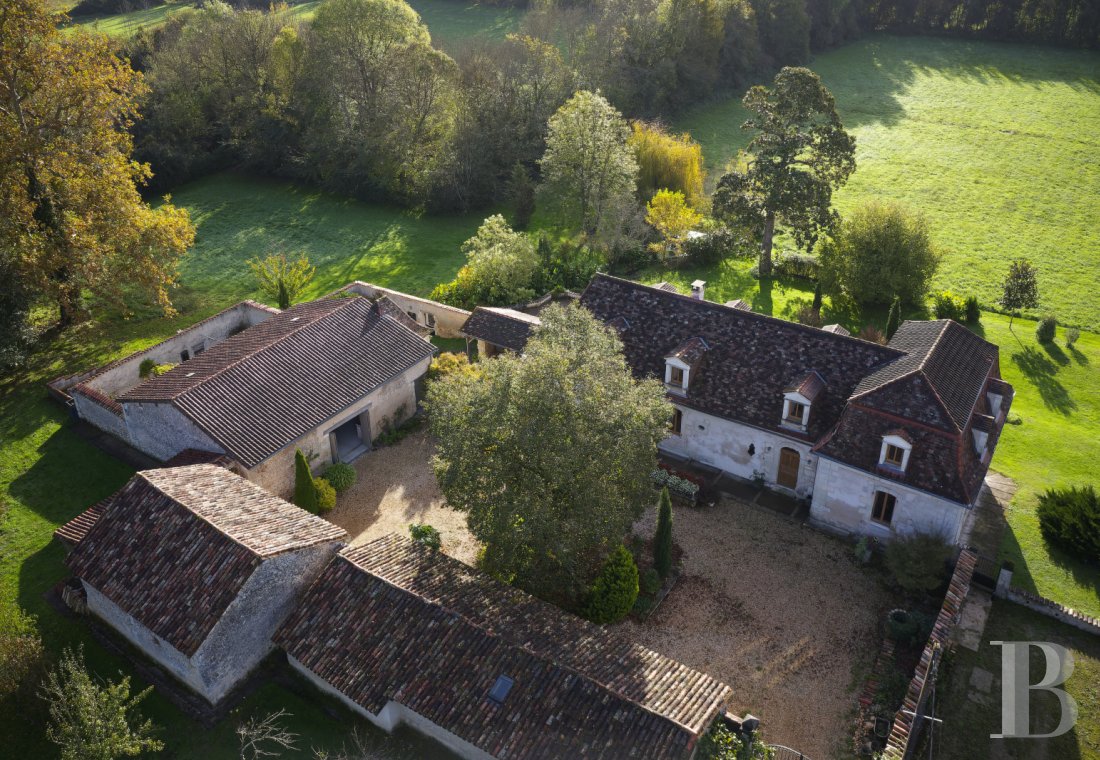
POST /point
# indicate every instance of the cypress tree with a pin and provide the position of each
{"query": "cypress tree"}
(662, 541)
(284, 295)
(893, 319)
(817, 297)
(305, 490)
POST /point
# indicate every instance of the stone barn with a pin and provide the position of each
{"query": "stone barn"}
(196, 567)
(405, 635)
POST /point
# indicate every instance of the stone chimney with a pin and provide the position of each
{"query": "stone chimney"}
(698, 289)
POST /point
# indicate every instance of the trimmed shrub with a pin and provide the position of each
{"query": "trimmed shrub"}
(1072, 334)
(340, 476)
(326, 495)
(651, 582)
(1070, 518)
(918, 562)
(1044, 331)
(973, 310)
(425, 535)
(305, 491)
(947, 305)
(616, 589)
(662, 539)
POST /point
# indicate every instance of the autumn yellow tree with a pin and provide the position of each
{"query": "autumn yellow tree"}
(673, 162)
(70, 211)
(672, 217)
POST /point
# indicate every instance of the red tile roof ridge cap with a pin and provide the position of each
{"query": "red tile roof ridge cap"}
(715, 704)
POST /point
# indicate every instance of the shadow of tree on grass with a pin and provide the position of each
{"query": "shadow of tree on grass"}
(1042, 372)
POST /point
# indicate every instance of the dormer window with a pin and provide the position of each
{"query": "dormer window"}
(894, 454)
(682, 363)
(795, 412)
(676, 376)
(798, 398)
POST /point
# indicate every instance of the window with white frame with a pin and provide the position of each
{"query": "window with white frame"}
(894, 453)
(796, 411)
(676, 376)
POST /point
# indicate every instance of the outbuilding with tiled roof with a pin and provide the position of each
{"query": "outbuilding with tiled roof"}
(406, 635)
(196, 567)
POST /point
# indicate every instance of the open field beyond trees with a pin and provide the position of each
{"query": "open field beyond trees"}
(998, 144)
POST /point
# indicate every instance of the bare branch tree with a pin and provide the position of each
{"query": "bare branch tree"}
(265, 737)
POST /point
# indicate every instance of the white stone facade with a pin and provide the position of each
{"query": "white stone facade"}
(445, 320)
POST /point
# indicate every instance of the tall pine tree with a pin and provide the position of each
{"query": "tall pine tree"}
(662, 540)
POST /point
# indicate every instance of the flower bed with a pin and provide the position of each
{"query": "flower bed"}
(679, 485)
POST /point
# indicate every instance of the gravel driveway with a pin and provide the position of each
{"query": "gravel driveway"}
(779, 612)
(395, 487)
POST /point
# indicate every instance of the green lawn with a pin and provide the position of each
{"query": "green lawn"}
(238, 218)
(998, 144)
(970, 715)
(451, 22)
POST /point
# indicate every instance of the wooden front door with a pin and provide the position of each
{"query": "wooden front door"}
(788, 468)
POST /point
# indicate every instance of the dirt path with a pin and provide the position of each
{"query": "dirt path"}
(779, 612)
(396, 486)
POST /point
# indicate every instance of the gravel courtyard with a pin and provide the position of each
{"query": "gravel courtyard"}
(396, 486)
(776, 610)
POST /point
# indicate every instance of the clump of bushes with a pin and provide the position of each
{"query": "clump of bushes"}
(801, 265)
(614, 592)
(716, 245)
(680, 486)
(341, 476)
(448, 363)
(1070, 518)
(149, 368)
(1044, 331)
(426, 535)
(326, 495)
(918, 562)
(947, 305)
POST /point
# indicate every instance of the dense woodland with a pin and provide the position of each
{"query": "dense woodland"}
(357, 101)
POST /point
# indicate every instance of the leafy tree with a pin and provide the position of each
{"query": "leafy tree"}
(1070, 517)
(305, 489)
(501, 265)
(16, 334)
(277, 277)
(879, 252)
(589, 172)
(662, 539)
(425, 535)
(69, 201)
(672, 217)
(566, 265)
(90, 720)
(616, 589)
(673, 162)
(22, 655)
(549, 454)
(1020, 289)
(798, 156)
(893, 319)
(918, 562)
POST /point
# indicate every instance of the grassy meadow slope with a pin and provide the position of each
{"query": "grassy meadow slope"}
(999, 145)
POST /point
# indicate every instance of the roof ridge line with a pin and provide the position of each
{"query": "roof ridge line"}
(294, 331)
(524, 647)
(749, 313)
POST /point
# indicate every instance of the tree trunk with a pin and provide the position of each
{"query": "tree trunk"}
(68, 309)
(766, 245)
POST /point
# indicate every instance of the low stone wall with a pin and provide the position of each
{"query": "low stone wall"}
(906, 729)
(1044, 606)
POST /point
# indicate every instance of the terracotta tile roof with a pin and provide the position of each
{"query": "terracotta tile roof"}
(392, 620)
(383, 305)
(174, 546)
(98, 396)
(198, 456)
(506, 328)
(691, 351)
(265, 387)
(74, 531)
(752, 357)
(809, 387)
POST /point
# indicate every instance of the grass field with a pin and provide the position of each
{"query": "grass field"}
(970, 715)
(452, 23)
(999, 145)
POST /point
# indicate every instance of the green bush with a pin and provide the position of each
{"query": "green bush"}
(802, 265)
(326, 495)
(425, 535)
(662, 540)
(1044, 331)
(616, 589)
(1072, 334)
(341, 476)
(146, 367)
(305, 491)
(918, 562)
(448, 363)
(947, 305)
(1070, 518)
(717, 245)
(651, 582)
(973, 310)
